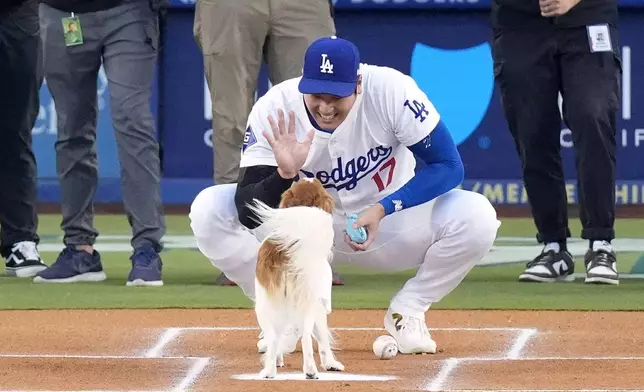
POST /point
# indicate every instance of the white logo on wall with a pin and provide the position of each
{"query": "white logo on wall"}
(326, 66)
(207, 112)
(629, 135)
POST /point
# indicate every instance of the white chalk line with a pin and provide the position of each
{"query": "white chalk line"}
(544, 390)
(515, 351)
(493, 359)
(357, 329)
(448, 367)
(82, 390)
(166, 337)
(436, 384)
(451, 390)
(192, 358)
(81, 356)
(171, 333)
(193, 374)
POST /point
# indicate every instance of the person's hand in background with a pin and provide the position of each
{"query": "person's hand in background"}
(551, 8)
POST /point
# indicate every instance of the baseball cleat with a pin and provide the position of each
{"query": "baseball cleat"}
(549, 266)
(411, 333)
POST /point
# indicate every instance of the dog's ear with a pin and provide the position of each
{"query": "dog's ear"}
(287, 198)
(327, 204)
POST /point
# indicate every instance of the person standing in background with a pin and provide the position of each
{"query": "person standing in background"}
(20, 81)
(542, 48)
(234, 37)
(123, 35)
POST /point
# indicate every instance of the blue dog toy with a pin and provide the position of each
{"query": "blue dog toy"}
(358, 235)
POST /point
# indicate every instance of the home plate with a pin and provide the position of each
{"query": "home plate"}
(330, 376)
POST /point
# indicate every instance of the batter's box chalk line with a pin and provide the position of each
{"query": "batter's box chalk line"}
(544, 390)
(182, 384)
(438, 382)
(523, 336)
(170, 334)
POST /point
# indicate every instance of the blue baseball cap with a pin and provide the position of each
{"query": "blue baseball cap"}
(331, 66)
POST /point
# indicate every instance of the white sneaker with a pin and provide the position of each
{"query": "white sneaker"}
(289, 340)
(410, 333)
(24, 260)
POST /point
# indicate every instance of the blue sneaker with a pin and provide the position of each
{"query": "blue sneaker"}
(73, 265)
(146, 268)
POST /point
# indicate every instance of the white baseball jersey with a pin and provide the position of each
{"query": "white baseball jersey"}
(366, 158)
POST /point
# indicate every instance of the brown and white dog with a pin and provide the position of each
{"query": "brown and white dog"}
(293, 276)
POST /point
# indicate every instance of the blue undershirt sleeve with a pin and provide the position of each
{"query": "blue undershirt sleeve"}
(443, 171)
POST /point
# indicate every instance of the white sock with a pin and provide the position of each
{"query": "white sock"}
(602, 245)
(552, 246)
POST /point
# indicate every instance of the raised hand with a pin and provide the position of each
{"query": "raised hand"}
(290, 154)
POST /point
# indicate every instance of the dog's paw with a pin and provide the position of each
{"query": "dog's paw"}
(268, 373)
(280, 361)
(310, 370)
(332, 365)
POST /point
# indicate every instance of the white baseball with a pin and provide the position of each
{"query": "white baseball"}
(385, 347)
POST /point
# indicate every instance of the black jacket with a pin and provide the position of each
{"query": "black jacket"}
(513, 14)
(82, 6)
(8, 5)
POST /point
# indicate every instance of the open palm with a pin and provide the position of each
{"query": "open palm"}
(290, 154)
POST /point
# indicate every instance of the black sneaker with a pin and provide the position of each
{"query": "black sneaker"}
(24, 260)
(601, 267)
(549, 266)
(147, 267)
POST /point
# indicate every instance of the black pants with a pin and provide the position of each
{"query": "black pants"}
(20, 81)
(531, 68)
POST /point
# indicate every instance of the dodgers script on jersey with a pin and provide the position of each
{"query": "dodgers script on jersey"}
(366, 158)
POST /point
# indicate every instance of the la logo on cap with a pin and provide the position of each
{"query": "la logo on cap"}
(326, 66)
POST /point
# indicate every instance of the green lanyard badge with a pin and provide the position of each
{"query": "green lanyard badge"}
(72, 30)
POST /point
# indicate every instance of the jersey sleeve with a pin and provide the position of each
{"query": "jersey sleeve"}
(256, 150)
(412, 116)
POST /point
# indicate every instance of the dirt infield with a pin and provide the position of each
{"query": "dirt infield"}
(208, 350)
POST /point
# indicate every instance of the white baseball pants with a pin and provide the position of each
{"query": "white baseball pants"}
(444, 239)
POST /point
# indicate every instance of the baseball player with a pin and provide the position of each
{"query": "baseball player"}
(356, 128)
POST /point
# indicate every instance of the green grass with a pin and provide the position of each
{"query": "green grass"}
(189, 281)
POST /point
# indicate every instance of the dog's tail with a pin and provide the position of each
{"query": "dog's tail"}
(299, 242)
(294, 225)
